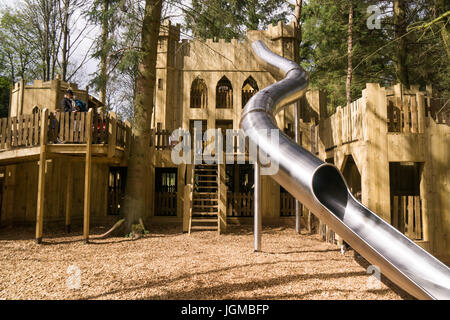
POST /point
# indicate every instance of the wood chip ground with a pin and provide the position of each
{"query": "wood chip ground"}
(167, 264)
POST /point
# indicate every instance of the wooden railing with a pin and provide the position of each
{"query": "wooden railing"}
(406, 216)
(63, 127)
(406, 115)
(160, 139)
(287, 204)
(240, 204)
(21, 131)
(166, 204)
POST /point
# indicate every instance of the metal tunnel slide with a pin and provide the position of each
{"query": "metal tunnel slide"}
(321, 187)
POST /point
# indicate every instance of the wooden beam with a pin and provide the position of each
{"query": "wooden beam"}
(222, 201)
(87, 177)
(41, 185)
(112, 132)
(69, 195)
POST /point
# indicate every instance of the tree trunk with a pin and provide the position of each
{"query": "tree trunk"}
(65, 31)
(400, 25)
(298, 13)
(350, 54)
(104, 53)
(136, 192)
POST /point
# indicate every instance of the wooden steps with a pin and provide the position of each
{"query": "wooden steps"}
(205, 203)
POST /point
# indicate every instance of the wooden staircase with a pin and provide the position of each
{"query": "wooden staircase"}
(205, 203)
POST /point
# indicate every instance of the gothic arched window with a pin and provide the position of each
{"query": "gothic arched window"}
(199, 94)
(249, 88)
(224, 93)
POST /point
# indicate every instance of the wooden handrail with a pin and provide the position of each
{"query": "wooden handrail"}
(64, 127)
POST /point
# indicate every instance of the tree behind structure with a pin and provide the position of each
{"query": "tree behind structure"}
(136, 197)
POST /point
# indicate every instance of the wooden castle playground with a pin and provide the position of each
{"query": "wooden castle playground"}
(397, 138)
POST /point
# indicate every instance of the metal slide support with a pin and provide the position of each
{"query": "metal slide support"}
(257, 219)
(297, 140)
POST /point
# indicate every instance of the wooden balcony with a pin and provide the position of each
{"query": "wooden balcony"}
(22, 138)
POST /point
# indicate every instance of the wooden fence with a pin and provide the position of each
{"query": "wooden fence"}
(21, 131)
(166, 204)
(406, 114)
(344, 126)
(240, 204)
(287, 205)
(160, 139)
(406, 216)
(63, 127)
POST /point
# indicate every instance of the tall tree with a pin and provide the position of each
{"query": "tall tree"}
(400, 24)
(103, 49)
(135, 203)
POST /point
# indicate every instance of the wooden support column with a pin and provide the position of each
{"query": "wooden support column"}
(41, 181)
(87, 176)
(222, 198)
(112, 134)
(22, 94)
(187, 205)
(127, 139)
(257, 219)
(297, 140)
(69, 195)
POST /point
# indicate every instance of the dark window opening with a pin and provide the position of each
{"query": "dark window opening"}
(199, 94)
(224, 94)
(249, 89)
(166, 180)
(116, 189)
(240, 196)
(406, 204)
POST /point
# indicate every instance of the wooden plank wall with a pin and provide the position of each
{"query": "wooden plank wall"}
(240, 204)
(166, 204)
(406, 215)
(287, 205)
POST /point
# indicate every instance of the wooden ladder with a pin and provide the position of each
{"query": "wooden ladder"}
(204, 214)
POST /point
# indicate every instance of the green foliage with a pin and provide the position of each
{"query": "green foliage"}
(324, 47)
(230, 19)
(18, 51)
(5, 86)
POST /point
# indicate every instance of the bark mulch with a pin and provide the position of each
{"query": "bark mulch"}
(167, 264)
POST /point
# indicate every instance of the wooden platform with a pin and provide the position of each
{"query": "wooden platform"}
(84, 136)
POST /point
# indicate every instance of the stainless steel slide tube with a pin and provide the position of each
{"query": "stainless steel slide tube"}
(321, 187)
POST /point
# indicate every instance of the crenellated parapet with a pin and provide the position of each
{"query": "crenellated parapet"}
(45, 94)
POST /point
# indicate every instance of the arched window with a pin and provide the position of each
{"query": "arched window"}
(199, 94)
(224, 93)
(249, 88)
(35, 110)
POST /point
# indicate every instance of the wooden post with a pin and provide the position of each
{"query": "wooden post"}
(41, 185)
(127, 139)
(222, 198)
(22, 93)
(87, 176)
(112, 129)
(420, 111)
(69, 195)
(187, 206)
